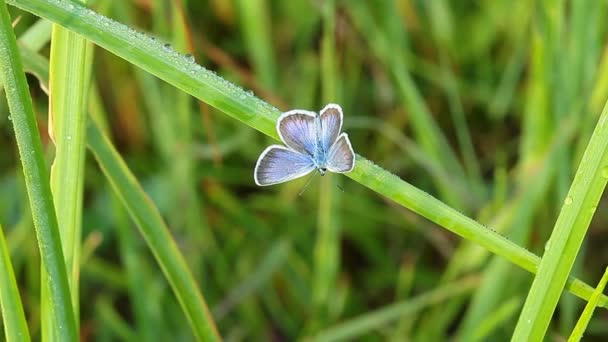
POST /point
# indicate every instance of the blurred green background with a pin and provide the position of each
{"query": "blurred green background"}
(487, 105)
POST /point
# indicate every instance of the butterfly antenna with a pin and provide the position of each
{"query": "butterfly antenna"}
(307, 183)
(339, 187)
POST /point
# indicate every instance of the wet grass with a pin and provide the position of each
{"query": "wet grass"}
(486, 115)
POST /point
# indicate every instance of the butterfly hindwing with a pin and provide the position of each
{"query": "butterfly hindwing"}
(341, 157)
(278, 164)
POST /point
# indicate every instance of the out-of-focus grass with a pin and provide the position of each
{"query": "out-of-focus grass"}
(487, 106)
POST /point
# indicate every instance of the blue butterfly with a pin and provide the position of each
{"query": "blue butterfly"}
(312, 142)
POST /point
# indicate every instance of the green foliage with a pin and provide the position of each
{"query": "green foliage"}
(501, 104)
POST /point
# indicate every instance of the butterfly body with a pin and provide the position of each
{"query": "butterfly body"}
(313, 142)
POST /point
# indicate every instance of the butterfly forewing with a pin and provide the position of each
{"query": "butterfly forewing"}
(297, 130)
(341, 157)
(279, 164)
(331, 125)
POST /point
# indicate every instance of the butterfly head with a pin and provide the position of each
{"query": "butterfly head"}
(322, 171)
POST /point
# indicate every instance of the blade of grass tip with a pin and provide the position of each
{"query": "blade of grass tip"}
(366, 323)
(13, 317)
(156, 234)
(36, 179)
(568, 233)
(327, 245)
(583, 321)
(68, 79)
(192, 78)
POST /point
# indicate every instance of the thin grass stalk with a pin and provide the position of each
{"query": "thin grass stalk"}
(327, 245)
(13, 316)
(156, 233)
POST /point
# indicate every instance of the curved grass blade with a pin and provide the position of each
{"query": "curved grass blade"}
(15, 326)
(184, 74)
(156, 234)
(36, 179)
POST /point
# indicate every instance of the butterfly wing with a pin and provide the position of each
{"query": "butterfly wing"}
(297, 130)
(331, 125)
(278, 164)
(341, 157)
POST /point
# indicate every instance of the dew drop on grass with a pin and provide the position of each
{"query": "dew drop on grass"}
(69, 137)
(568, 200)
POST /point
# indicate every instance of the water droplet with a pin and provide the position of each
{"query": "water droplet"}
(10, 118)
(568, 200)
(167, 46)
(250, 93)
(69, 137)
(189, 57)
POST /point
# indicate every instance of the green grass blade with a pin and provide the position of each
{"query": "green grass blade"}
(255, 28)
(68, 91)
(154, 230)
(36, 178)
(327, 244)
(37, 35)
(181, 72)
(366, 323)
(583, 321)
(13, 317)
(568, 233)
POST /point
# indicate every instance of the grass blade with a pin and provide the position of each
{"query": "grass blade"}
(568, 233)
(15, 326)
(181, 72)
(154, 230)
(583, 321)
(36, 178)
(68, 75)
(327, 244)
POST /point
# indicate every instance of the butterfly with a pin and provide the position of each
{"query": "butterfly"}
(313, 142)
